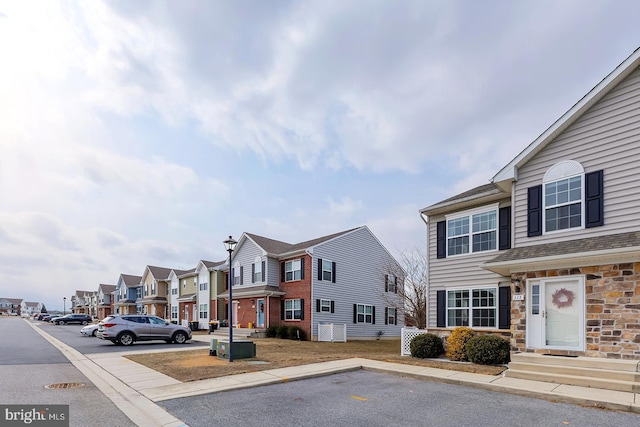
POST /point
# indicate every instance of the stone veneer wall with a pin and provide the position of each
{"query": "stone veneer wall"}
(612, 297)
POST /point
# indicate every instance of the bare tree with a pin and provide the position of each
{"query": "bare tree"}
(409, 281)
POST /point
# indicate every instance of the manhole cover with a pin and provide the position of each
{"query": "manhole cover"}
(64, 385)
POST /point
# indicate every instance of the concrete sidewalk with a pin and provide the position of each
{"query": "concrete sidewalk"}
(137, 387)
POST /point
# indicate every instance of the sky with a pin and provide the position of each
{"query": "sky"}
(137, 133)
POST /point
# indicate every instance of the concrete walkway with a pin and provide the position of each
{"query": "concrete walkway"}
(135, 388)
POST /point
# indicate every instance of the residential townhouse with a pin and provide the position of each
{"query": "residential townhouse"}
(30, 308)
(10, 306)
(128, 295)
(211, 282)
(184, 293)
(155, 288)
(104, 300)
(548, 253)
(335, 279)
(81, 302)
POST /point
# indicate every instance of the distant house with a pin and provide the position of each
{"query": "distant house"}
(104, 300)
(81, 302)
(548, 253)
(10, 306)
(183, 296)
(30, 308)
(128, 294)
(339, 279)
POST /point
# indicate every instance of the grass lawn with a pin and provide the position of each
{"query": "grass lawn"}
(195, 365)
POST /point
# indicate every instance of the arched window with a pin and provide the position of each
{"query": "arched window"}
(563, 195)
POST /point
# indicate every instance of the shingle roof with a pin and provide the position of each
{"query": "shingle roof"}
(159, 273)
(106, 289)
(211, 264)
(277, 247)
(130, 280)
(590, 244)
(482, 191)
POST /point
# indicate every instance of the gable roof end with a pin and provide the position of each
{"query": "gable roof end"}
(623, 70)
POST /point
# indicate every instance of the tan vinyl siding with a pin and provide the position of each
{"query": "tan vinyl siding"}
(458, 270)
(607, 137)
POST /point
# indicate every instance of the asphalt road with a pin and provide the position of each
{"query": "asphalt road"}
(28, 363)
(70, 335)
(369, 399)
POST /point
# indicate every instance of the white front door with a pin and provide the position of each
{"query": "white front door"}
(555, 313)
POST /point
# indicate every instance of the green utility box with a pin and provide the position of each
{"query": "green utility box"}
(242, 349)
(213, 347)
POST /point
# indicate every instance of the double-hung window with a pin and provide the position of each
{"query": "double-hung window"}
(472, 307)
(563, 203)
(364, 313)
(204, 311)
(174, 291)
(293, 270)
(257, 271)
(293, 309)
(391, 316)
(204, 286)
(237, 274)
(327, 270)
(174, 311)
(472, 232)
(325, 306)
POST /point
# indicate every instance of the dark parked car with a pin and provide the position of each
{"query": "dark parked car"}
(44, 317)
(82, 319)
(126, 329)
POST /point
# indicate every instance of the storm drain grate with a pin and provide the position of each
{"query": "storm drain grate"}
(59, 386)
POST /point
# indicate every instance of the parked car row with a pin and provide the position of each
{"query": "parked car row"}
(125, 329)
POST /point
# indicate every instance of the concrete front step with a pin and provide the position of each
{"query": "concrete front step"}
(608, 374)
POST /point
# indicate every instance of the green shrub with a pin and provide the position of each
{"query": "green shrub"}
(456, 342)
(426, 346)
(271, 332)
(488, 350)
(297, 333)
(282, 331)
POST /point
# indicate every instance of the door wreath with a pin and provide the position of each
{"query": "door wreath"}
(562, 298)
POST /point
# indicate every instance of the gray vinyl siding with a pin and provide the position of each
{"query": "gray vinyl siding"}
(273, 272)
(457, 271)
(247, 256)
(606, 137)
(360, 269)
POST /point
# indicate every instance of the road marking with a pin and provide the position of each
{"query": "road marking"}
(359, 398)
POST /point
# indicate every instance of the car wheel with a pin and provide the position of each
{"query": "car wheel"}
(125, 339)
(94, 333)
(84, 323)
(60, 323)
(180, 337)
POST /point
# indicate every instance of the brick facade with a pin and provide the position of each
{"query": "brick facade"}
(612, 295)
(298, 289)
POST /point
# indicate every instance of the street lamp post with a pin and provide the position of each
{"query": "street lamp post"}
(229, 245)
(64, 305)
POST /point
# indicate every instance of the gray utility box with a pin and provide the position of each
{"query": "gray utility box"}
(213, 347)
(242, 349)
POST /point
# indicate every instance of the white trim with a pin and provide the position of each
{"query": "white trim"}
(494, 207)
(471, 288)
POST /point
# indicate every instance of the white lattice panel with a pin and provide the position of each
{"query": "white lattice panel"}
(407, 335)
(332, 333)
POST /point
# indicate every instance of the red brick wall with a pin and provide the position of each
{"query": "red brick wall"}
(297, 289)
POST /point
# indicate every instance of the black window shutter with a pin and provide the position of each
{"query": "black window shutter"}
(441, 239)
(395, 317)
(282, 309)
(534, 211)
(319, 268)
(386, 283)
(504, 228)
(441, 321)
(373, 314)
(264, 269)
(241, 275)
(333, 272)
(301, 309)
(594, 193)
(355, 313)
(333, 306)
(301, 268)
(386, 315)
(253, 272)
(282, 276)
(504, 307)
(318, 305)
